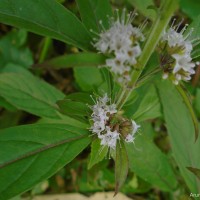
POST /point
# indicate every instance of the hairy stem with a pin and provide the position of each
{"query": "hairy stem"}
(163, 18)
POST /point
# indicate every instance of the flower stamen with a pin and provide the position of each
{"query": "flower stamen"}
(109, 126)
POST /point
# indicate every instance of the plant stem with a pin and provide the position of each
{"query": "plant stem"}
(45, 48)
(163, 18)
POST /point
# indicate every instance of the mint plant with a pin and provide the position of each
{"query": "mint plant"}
(126, 75)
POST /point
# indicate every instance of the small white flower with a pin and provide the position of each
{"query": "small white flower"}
(98, 127)
(103, 43)
(129, 138)
(178, 39)
(110, 138)
(103, 100)
(121, 40)
(112, 109)
(173, 38)
(186, 77)
(100, 116)
(132, 53)
(183, 62)
(109, 132)
(116, 65)
(135, 127)
(180, 48)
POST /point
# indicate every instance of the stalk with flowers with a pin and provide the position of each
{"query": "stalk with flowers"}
(116, 97)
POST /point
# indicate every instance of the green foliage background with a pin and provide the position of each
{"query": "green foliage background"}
(49, 57)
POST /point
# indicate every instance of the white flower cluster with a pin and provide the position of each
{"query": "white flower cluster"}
(122, 42)
(101, 116)
(131, 136)
(180, 48)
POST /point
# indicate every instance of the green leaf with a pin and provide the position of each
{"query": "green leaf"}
(14, 68)
(149, 107)
(98, 153)
(64, 119)
(30, 154)
(81, 97)
(92, 11)
(76, 105)
(143, 7)
(75, 60)
(121, 166)
(88, 78)
(187, 101)
(196, 52)
(195, 25)
(9, 119)
(136, 185)
(45, 17)
(28, 93)
(146, 106)
(61, 1)
(195, 171)
(108, 79)
(12, 50)
(76, 110)
(130, 101)
(153, 63)
(100, 81)
(73, 108)
(190, 7)
(148, 128)
(181, 133)
(148, 162)
(6, 105)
